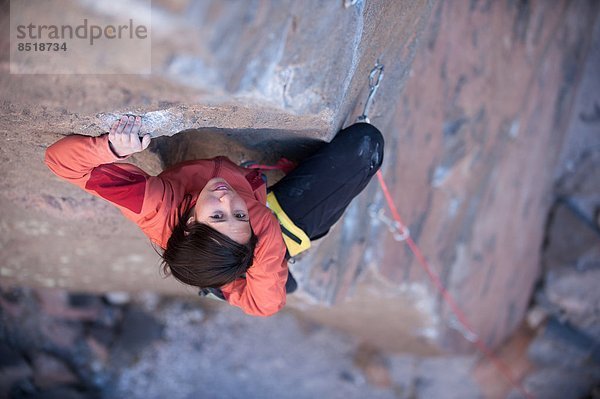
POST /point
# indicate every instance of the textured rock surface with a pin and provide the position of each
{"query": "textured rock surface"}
(82, 242)
(565, 353)
(472, 146)
(474, 104)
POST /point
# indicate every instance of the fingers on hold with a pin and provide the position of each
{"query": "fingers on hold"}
(129, 125)
(136, 127)
(122, 123)
(113, 129)
(114, 126)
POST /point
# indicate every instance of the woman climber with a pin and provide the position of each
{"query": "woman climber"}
(219, 226)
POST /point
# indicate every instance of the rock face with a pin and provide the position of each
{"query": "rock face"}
(566, 349)
(471, 153)
(473, 106)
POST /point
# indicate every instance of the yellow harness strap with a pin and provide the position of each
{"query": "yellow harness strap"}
(295, 239)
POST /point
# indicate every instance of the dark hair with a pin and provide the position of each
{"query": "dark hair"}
(199, 255)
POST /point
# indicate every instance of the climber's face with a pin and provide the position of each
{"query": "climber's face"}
(221, 207)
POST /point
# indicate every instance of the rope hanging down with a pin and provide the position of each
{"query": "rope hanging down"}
(401, 233)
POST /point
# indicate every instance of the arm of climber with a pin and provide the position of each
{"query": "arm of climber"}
(88, 162)
(262, 292)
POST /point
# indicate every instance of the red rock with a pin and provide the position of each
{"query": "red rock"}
(473, 106)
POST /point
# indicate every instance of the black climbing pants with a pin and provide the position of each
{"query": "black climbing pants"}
(316, 193)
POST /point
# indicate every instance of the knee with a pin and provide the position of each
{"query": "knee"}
(370, 144)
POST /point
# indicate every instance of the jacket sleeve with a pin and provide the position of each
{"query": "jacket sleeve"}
(262, 292)
(88, 162)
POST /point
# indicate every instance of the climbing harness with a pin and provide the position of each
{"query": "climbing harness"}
(375, 77)
(400, 232)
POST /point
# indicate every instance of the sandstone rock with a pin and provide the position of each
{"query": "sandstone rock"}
(466, 170)
(513, 353)
(470, 146)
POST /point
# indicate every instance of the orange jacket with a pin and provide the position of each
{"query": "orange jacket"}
(153, 203)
